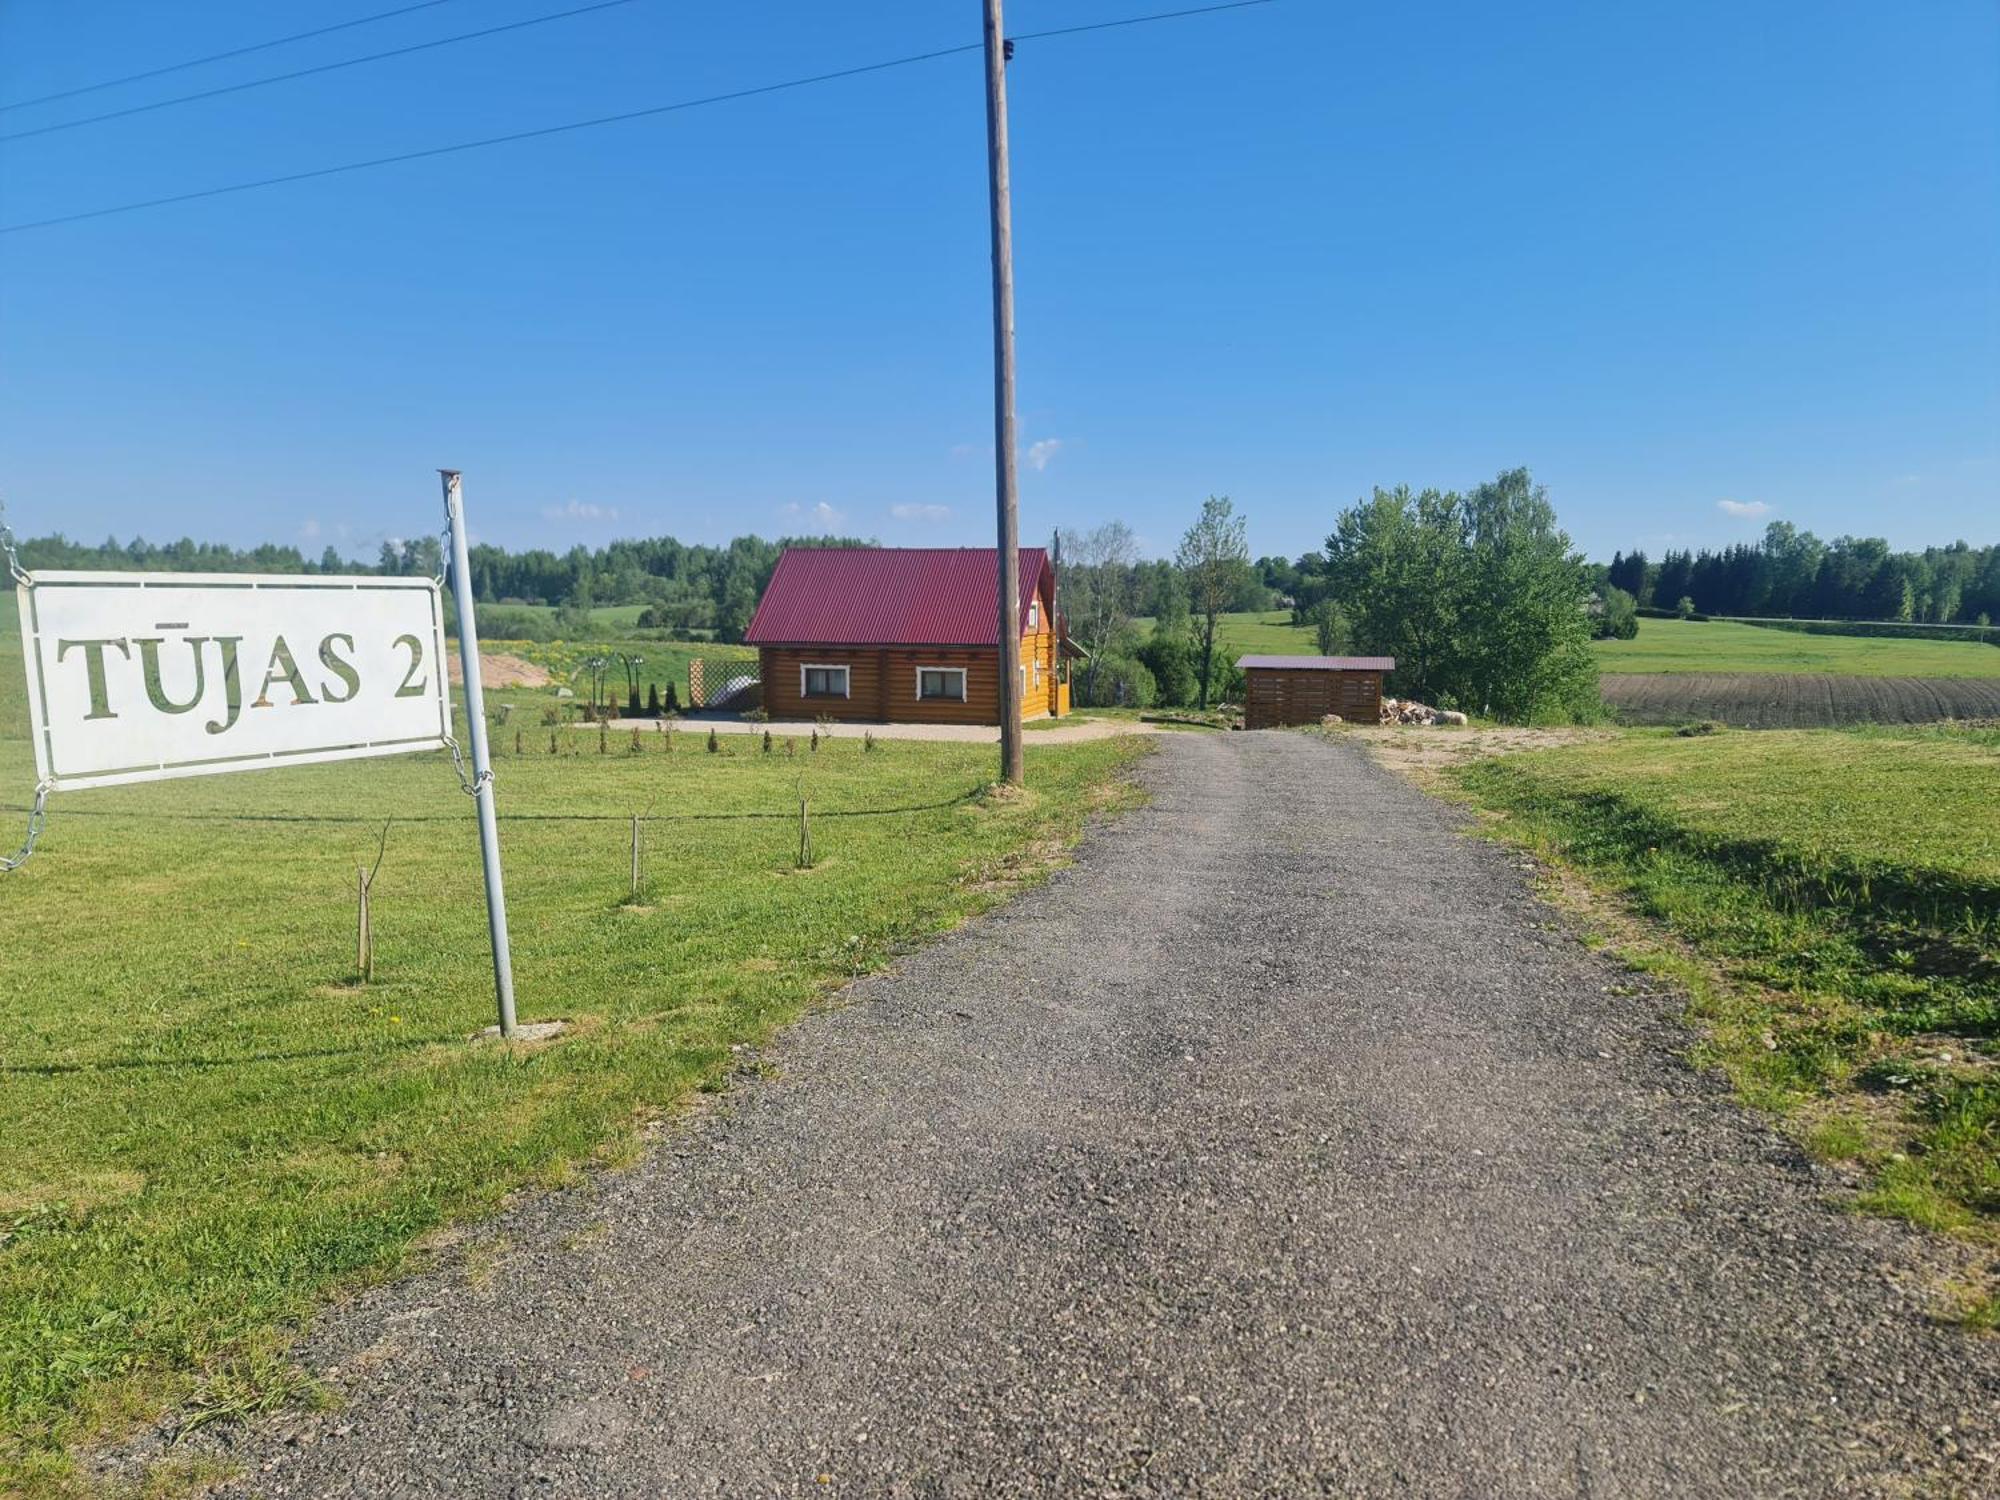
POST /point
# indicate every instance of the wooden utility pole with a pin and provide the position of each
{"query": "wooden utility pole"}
(1012, 766)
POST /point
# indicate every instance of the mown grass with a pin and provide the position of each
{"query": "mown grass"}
(1690, 646)
(1266, 632)
(1720, 646)
(1833, 901)
(661, 662)
(206, 1125)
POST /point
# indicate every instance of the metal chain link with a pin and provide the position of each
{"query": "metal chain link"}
(469, 785)
(38, 817)
(14, 568)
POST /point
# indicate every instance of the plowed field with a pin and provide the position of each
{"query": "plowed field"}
(1769, 700)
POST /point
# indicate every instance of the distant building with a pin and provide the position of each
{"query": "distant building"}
(1280, 690)
(903, 634)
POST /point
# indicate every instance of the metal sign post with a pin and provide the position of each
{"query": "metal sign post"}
(482, 766)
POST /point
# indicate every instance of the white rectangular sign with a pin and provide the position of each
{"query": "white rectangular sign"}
(143, 676)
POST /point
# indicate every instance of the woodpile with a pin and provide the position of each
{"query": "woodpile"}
(1409, 711)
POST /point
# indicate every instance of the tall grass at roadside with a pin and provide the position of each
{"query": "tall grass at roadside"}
(1839, 896)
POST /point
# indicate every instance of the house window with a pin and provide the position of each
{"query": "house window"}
(823, 682)
(941, 682)
(1034, 614)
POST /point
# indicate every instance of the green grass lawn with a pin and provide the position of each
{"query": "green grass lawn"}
(1719, 646)
(1690, 646)
(206, 1126)
(1269, 633)
(660, 662)
(606, 619)
(1839, 896)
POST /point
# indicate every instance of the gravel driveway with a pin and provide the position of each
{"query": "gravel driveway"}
(1283, 1146)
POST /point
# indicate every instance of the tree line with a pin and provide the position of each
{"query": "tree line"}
(1479, 597)
(688, 590)
(1792, 573)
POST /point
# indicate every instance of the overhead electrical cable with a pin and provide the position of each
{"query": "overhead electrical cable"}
(331, 67)
(213, 57)
(568, 127)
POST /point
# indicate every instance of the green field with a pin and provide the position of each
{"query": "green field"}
(1719, 646)
(1833, 900)
(206, 1124)
(660, 662)
(1269, 633)
(1692, 646)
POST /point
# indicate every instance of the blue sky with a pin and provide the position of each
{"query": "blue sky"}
(1696, 264)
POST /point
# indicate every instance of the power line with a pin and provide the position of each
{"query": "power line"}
(332, 67)
(1165, 15)
(196, 62)
(617, 119)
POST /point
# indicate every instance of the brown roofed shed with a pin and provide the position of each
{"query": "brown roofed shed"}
(1280, 690)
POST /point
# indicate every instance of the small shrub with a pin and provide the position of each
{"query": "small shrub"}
(552, 713)
(638, 745)
(673, 699)
(1700, 726)
(815, 740)
(552, 743)
(767, 742)
(791, 746)
(714, 740)
(867, 739)
(604, 738)
(517, 741)
(653, 699)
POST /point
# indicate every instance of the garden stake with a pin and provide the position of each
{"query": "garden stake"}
(364, 960)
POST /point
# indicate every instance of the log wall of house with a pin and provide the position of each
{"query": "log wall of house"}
(882, 680)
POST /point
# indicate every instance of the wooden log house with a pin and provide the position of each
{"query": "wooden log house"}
(903, 635)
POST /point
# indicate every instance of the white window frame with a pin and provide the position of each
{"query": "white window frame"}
(843, 668)
(922, 697)
(1034, 614)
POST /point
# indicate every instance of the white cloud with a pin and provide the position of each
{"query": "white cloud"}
(1744, 510)
(310, 531)
(578, 510)
(1040, 454)
(821, 514)
(920, 512)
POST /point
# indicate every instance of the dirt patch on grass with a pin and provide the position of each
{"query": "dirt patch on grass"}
(1424, 753)
(499, 670)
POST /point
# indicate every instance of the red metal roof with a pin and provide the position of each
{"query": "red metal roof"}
(888, 596)
(1321, 663)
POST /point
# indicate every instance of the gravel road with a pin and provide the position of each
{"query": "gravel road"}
(1283, 1146)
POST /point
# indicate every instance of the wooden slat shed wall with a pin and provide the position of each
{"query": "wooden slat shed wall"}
(1277, 696)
